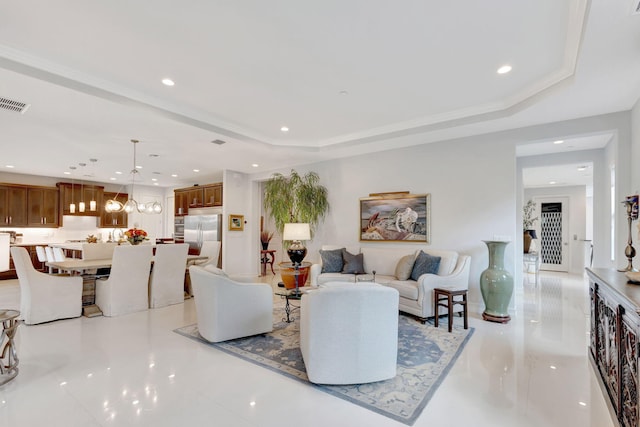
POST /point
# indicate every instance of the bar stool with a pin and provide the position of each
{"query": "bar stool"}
(443, 297)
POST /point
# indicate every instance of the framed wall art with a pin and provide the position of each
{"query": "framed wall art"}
(236, 222)
(393, 217)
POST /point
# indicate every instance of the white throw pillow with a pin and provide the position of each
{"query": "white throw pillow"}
(405, 266)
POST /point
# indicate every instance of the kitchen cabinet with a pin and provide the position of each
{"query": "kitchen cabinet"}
(42, 207)
(114, 219)
(75, 193)
(613, 343)
(212, 194)
(12, 274)
(13, 205)
(198, 196)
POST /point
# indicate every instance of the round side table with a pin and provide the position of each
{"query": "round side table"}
(8, 354)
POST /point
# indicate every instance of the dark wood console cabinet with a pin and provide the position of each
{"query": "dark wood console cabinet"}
(615, 325)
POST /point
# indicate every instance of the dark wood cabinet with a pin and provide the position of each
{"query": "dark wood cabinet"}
(76, 193)
(13, 205)
(11, 273)
(198, 196)
(42, 207)
(114, 219)
(615, 324)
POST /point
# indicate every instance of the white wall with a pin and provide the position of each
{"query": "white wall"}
(577, 220)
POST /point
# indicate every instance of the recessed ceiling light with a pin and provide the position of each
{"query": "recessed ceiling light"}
(582, 404)
(552, 182)
(155, 183)
(9, 166)
(504, 69)
(558, 142)
(284, 129)
(553, 367)
(138, 167)
(118, 173)
(582, 168)
(66, 173)
(154, 179)
(112, 179)
(255, 165)
(175, 175)
(168, 82)
(196, 170)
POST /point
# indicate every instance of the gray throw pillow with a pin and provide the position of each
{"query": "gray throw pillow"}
(405, 266)
(331, 261)
(353, 264)
(424, 264)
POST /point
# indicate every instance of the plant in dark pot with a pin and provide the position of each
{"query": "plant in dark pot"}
(528, 221)
(296, 199)
(265, 238)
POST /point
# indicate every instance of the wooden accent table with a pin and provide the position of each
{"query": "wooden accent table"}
(447, 295)
(267, 257)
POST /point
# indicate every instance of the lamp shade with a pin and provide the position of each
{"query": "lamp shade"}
(296, 231)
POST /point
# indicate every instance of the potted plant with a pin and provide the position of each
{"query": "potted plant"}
(265, 238)
(528, 220)
(296, 199)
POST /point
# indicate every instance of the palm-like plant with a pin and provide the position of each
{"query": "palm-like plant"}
(296, 198)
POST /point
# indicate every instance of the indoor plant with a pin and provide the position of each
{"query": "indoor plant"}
(295, 199)
(528, 220)
(265, 238)
(135, 235)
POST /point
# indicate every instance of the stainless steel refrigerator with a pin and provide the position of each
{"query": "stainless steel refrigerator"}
(202, 225)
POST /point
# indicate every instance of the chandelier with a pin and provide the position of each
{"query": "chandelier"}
(132, 205)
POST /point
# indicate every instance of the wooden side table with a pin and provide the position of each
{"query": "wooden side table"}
(8, 354)
(267, 257)
(443, 297)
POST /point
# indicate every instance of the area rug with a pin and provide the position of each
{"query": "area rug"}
(425, 356)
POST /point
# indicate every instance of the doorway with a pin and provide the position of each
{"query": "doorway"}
(554, 233)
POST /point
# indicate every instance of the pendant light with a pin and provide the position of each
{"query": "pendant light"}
(81, 205)
(92, 203)
(132, 205)
(72, 205)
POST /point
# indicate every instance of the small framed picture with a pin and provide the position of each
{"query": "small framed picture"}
(236, 222)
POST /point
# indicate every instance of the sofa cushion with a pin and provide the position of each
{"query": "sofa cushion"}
(353, 264)
(332, 261)
(448, 261)
(335, 277)
(407, 288)
(425, 264)
(383, 260)
(405, 266)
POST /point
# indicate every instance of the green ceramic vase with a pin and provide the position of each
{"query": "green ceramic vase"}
(496, 284)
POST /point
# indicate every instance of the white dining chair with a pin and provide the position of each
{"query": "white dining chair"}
(45, 297)
(58, 254)
(166, 285)
(210, 249)
(126, 290)
(42, 256)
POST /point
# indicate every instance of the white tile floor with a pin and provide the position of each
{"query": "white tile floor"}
(134, 371)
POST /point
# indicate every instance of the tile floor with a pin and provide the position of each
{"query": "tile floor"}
(134, 371)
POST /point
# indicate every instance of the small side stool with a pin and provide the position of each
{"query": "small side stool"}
(443, 297)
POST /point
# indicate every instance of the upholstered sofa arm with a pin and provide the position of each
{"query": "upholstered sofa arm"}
(314, 272)
(459, 278)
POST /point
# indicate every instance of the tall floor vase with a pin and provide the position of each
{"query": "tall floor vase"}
(496, 284)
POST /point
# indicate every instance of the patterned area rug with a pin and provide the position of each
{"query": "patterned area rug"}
(425, 355)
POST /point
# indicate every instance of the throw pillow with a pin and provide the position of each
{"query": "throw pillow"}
(353, 264)
(424, 264)
(405, 266)
(331, 261)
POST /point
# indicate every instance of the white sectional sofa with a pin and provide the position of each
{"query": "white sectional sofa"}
(416, 296)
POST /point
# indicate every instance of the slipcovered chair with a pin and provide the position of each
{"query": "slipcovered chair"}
(126, 290)
(227, 309)
(166, 285)
(45, 297)
(211, 250)
(42, 256)
(349, 333)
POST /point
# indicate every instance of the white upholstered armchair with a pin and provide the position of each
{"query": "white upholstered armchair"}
(126, 290)
(45, 297)
(349, 333)
(227, 309)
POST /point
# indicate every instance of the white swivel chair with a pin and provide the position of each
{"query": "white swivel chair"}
(126, 290)
(166, 285)
(226, 309)
(349, 333)
(45, 297)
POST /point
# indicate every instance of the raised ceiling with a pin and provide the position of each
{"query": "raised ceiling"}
(345, 78)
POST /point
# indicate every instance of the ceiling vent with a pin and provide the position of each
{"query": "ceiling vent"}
(218, 142)
(11, 105)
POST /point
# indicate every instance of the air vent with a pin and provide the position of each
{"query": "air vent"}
(218, 142)
(11, 105)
